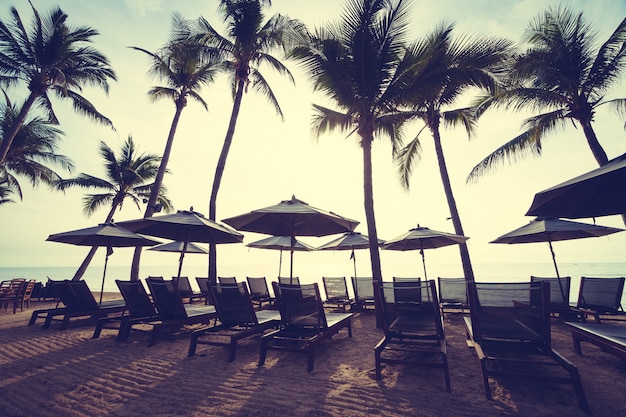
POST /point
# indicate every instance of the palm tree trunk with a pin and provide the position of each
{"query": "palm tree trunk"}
(454, 213)
(158, 182)
(7, 140)
(594, 145)
(219, 172)
(83, 266)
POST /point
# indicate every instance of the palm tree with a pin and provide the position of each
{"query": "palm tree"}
(5, 192)
(563, 74)
(450, 68)
(50, 57)
(184, 68)
(127, 177)
(33, 150)
(360, 63)
(246, 47)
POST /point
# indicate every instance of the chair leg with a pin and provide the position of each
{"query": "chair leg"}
(311, 359)
(192, 345)
(262, 352)
(446, 372)
(232, 351)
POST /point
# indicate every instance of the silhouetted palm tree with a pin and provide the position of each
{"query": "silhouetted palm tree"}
(50, 57)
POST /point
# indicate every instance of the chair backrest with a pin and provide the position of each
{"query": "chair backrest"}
(258, 287)
(363, 288)
(300, 306)
(84, 295)
(168, 303)
(66, 294)
(510, 312)
(28, 289)
(203, 284)
(183, 286)
(559, 290)
(452, 290)
(336, 288)
(233, 304)
(136, 298)
(414, 300)
(289, 280)
(14, 287)
(603, 295)
(227, 280)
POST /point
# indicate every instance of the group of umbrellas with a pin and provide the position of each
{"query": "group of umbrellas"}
(600, 192)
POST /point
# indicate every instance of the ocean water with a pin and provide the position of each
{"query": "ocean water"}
(494, 272)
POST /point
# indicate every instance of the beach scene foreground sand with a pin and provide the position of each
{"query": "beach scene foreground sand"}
(48, 372)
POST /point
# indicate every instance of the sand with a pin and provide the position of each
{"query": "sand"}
(48, 372)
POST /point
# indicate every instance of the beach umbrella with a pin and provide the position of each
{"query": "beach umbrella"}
(551, 230)
(109, 235)
(422, 238)
(292, 218)
(280, 243)
(600, 192)
(349, 241)
(185, 226)
(179, 247)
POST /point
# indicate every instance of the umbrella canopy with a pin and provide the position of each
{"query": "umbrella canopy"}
(350, 241)
(185, 226)
(600, 192)
(109, 235)
(422, 238)
(292, 218)
(179, 247)
(551, 230)
(280, 243)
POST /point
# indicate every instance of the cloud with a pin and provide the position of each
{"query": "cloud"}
(144, 7)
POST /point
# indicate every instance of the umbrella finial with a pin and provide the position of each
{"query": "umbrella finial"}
(190, 208)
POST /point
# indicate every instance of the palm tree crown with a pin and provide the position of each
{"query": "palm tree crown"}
(50, 57)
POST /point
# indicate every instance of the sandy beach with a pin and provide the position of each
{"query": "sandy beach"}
(47, 372)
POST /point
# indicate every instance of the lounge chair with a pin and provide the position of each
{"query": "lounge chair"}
(203, 284)
(173, 313)
(304, 324)
(405, 299)
(289, 280)
(227, 280)
(78, 301)
(237, 319)
(601, 297)
(184, 289)
(26, 294)
(260, 292)
(610, 337)
(336, 290)
(453, 294)
(559, 296)
(509, 327)
(10, 291)
(363, 293)
(412, 339)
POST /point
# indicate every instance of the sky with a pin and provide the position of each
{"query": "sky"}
(271, 160)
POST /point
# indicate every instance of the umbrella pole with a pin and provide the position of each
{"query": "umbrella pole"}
(423, 261)
(354, 262)
(180, 260)
(104, 274)
(293, 244)
(280, 263)
(556, 268)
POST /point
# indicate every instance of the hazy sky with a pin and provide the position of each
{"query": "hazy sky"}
(271, 160)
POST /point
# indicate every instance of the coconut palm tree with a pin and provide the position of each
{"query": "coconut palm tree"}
(126, 177)
(5, 193)
(247, 46)
(50, 57)
(563, 74)
(450, 67)
(184, 68)
(359, 62)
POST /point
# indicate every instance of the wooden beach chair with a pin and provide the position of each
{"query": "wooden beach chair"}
(10, 291)
(336, 289)
(610, 337)
(304, 324)
(417, 338)
(260, 292)
(509, 328)
(452, 294)
(601, 298)
(363, 293)
(184, 289)
(559, 295)
(237, 319)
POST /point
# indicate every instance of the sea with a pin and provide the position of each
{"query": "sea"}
(485, 272)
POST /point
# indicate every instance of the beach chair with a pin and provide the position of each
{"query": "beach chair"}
(601, 298)
(237, 319)
(610, 337)
(559, 295)
(406, 298)
(227, 280)
(452, 294)
(289, 280)
(260, 292)
(304, 324)
(417, 338)
(26, 293)
(10, 291)
(336, 289)
(173, 313)
(509, 328)
(140, 311)
(203, 284)
(184, 289)
(363, 293)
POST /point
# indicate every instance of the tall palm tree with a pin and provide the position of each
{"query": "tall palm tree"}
(359, 63)
(5, 193)
(450, 67)
(184, 68)
(50, 57)
(247, 46)
(126, 177)
(34, 149)
(563, 74)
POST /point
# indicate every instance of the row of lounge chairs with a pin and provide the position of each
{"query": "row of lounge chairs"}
(16, 292)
